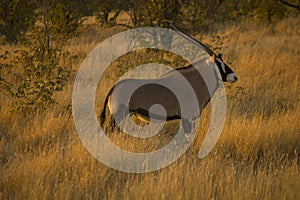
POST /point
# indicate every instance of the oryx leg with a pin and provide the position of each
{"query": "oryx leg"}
(187, 125)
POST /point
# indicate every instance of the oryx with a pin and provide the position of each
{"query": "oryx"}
(151, 91)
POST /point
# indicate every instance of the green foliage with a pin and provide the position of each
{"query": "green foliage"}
(142, 12)
(217, 43)
(16, 17)
(33, 75)
(270, 10)
(154, 12)
(36, 80)
(191, 16)
(108, 11)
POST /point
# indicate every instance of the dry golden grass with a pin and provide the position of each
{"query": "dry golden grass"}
(257, 156)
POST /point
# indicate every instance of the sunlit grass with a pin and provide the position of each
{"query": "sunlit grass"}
(256, 157)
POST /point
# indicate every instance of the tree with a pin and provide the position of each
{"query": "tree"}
(269, 11)
(291, 4)
(34, 74)
(108, 11)
(16, 17)
(141, 12)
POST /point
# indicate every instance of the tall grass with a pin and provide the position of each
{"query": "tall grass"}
(257, 156)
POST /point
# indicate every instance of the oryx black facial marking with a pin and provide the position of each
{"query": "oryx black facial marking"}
(227, 74)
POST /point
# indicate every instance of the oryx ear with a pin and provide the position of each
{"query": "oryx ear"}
(220, 55)
(213, 57)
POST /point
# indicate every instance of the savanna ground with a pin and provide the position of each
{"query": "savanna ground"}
(256, 157)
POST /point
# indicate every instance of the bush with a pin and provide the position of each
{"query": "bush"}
(33, 74)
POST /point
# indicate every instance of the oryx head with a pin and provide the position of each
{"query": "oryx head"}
(226, 73)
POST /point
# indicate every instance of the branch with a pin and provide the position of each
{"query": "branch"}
(124, 25)
(290, 5)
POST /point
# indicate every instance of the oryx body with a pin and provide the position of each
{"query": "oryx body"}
(202, 76)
